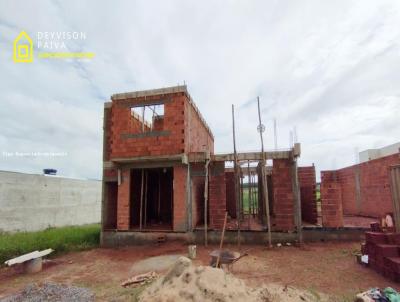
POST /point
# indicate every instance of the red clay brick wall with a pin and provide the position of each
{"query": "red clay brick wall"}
(124, 201)
(230, 194)
(217, 195)
(121, 123)
(331, 200)
(179, 215)
(308, 184)
(198, 181)
(283, 219)
(197, 137)
(347, 180)
(374, 198)
(197, 200)
(186, 131)
(107, 134)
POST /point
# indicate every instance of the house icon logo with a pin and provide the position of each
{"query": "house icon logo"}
(23, 48)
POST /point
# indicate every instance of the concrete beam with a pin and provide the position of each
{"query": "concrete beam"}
(252, 156)
(182, 158)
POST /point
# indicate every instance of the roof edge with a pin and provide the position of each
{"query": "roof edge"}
(161, 91)
(149, 92)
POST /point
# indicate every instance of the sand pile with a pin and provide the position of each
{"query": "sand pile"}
(186, 282)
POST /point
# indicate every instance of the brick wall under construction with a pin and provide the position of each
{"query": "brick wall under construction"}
(179, 130)
(365, 188)
(308, 185)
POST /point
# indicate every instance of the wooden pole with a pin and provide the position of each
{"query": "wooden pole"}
(141, 202)
(237, 193)
(248, 193)
(296, 193)
(222, 240)
(145, 198)
(205, 203)
(264, 177)
(159, 196)
(144, 108)
(241, 194)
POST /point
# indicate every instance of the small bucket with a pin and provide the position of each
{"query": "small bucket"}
(192, 251)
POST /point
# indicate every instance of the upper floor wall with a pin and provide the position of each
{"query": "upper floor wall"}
(154, 123)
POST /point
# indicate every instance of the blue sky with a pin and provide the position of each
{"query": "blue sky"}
(328, 68)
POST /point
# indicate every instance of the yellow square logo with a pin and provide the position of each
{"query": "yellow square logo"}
(23, 48)
(23, 51)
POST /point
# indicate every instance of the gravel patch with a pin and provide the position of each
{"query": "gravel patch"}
(50, 291)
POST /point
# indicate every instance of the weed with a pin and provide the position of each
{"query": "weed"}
(64, 239)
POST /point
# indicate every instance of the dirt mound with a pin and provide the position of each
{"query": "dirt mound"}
(51, 292)
(186, 282)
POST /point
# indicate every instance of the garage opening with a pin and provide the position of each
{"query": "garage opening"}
(151, 199)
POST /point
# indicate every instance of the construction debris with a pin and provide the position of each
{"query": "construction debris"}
(186, 282)
(27, 257)
(32, 262)
(140, 279)
(192, 252)
(50, 291)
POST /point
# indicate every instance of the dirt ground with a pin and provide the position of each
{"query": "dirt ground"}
(328, 268)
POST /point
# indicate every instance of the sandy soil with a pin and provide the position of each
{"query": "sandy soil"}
(323, 267)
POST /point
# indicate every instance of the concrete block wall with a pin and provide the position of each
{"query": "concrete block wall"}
(308, 185)
(331, 200)
(31, 202)
(283, 219)
(217, 195)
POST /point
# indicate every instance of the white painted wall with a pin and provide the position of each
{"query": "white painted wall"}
(371, 154)
(31, 202)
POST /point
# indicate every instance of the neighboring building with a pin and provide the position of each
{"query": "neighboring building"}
(159, 160)
(33, 202)
(371, 154)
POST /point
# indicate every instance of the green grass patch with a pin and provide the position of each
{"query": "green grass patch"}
(61, 240)
(246, 199)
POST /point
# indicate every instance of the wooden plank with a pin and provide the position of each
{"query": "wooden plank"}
(27, 257)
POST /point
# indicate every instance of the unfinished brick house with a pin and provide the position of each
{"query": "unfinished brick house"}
(161, 175)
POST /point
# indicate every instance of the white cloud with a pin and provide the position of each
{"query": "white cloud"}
(328, 68)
